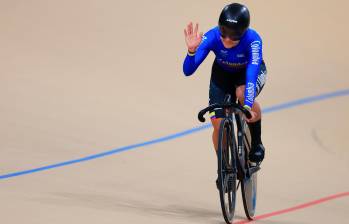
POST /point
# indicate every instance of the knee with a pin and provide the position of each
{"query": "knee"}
(240, 93)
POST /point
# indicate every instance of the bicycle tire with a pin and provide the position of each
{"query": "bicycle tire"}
(249, 183)
(227, 172)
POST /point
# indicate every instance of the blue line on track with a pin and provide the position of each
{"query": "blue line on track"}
(283, 106)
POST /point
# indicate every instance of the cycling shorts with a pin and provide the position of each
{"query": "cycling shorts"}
(224, 82)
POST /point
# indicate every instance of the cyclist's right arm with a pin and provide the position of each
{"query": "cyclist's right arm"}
(192, 61)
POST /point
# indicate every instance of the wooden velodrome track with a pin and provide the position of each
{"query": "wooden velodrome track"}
(79, 78)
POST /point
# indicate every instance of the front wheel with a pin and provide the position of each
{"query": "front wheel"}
(227, 170)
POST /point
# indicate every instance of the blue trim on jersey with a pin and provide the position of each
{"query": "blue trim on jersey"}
(246, 55)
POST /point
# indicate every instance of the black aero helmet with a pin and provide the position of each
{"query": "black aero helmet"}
(234, 21)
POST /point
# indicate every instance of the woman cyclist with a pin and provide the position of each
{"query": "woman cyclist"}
(238, 68)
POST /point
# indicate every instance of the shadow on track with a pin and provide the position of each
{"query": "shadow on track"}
(120, 204)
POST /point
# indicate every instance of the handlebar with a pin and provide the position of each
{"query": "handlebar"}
(223, 106)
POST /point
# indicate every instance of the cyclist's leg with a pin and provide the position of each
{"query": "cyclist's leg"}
(215, 123)
(217, 95)
(216, 117)
(221, 83)
(255, 126)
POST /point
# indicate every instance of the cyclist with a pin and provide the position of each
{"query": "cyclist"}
(238, 68)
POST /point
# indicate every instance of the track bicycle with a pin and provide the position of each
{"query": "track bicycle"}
(234, 167)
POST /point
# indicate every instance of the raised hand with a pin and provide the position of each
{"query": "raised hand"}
(192, 37)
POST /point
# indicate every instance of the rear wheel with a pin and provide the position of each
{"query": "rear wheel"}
(249, 195)
(227, 170)
(249, 182)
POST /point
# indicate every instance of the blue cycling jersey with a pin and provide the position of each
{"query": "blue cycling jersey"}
(247, 55)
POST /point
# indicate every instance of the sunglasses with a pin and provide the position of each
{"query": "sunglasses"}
(231, 35)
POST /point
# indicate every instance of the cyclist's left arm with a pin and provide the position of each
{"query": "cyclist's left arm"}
(253, 67)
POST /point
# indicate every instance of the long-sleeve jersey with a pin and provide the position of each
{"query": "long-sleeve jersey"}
(247, 55)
